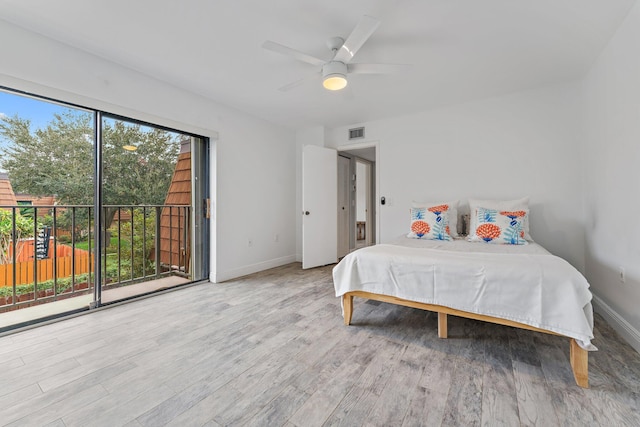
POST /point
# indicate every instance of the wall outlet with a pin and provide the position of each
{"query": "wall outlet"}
(621, 274)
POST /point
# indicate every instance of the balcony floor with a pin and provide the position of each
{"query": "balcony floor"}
(54, 308)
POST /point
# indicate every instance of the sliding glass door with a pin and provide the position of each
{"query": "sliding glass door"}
(94, 208)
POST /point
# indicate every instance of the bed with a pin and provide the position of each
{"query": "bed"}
(523, 286)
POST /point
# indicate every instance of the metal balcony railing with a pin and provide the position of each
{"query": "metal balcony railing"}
(47, 253)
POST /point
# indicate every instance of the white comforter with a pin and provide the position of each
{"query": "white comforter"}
(534, 288)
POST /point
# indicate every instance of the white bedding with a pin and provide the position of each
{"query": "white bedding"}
(525, 283)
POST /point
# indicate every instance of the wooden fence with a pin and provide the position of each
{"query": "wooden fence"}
(64, 265)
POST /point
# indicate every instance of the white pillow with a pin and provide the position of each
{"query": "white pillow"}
(453, 213)
(504, 205)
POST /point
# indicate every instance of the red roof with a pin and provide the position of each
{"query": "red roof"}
(7, 196)
(173, 248)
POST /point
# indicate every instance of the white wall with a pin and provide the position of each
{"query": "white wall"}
(612, 177)
(254, 190)
(523, 144)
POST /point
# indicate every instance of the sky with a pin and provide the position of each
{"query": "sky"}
(39, 112)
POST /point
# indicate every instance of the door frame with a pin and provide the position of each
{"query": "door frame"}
(375, 169)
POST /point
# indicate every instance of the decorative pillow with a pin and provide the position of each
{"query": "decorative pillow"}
(452, 213)
(501, 205)
(430, 223)
(500, 227)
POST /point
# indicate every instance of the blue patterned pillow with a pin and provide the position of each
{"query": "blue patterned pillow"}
(430, 223)
(499, 226)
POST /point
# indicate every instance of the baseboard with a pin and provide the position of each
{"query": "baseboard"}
(222, 276)
(617, 322)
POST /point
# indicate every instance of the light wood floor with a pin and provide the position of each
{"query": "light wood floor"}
(270, 349)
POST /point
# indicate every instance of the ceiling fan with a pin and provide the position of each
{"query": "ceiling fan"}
(334, 72)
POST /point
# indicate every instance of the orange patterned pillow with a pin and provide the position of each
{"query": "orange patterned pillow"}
(430, 223)
(499, 226)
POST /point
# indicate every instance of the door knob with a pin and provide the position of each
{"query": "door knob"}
(306, 212)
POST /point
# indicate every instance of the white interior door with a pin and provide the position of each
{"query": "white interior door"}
(319, 205)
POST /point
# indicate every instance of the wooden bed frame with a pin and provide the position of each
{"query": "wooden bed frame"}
(578, 356)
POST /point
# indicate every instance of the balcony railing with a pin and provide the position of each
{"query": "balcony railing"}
(47, 253)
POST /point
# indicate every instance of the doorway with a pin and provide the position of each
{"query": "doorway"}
(357, 224)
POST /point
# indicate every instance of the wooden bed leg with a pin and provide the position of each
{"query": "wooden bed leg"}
(442, 325)
(347, 307)
(580, 364)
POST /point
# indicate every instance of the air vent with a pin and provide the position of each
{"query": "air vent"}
(356, 133)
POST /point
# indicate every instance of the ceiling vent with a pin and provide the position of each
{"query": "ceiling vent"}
(356, 133)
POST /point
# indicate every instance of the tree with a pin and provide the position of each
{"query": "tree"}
(58, 160)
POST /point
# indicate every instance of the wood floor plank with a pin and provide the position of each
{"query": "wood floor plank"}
(426, 408)
(325, 368)
(259, 383)
(125, 412)
(394, 401)
(203, 412)
(21, 395)
(464, 402)
(44, 413)
(56, 423)
(499, 408)
(280, 409)
(535, 404)
(322, 403)
(499, 397)
(360, 400)
(24, 377)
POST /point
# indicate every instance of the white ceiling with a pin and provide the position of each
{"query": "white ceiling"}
(460, 49)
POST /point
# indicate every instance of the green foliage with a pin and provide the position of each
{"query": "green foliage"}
(64, 221)
(144, 224)
(24, 227)
(63, 285)
(142, 176)
(58, 160)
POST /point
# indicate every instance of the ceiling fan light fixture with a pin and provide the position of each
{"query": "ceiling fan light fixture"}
(335, 82)
(334, 75)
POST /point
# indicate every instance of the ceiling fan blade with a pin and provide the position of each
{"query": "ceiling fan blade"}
(357, 38)
(297, 83)
(277, 47)
(377, 68)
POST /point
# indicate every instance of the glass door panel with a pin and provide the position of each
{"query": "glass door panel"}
(149, 209)
(46, 194)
